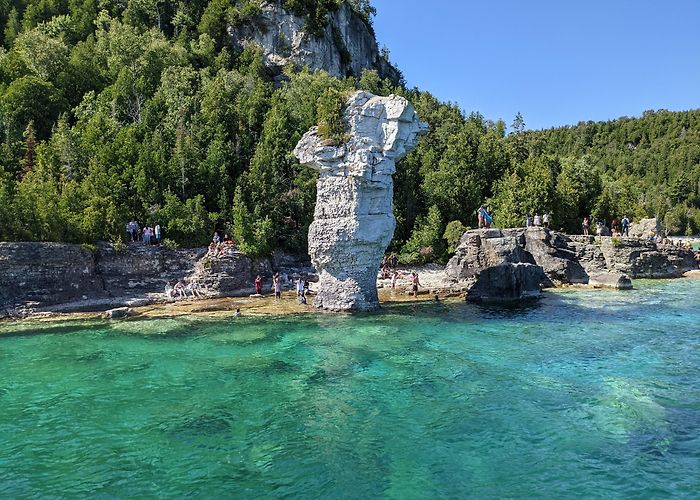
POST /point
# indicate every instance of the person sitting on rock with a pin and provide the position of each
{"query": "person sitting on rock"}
(180, 289)
(195, 289)
(212, 250)
(219, 250)
(168, 290)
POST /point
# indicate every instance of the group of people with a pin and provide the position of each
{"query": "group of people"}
(301, 286)
(183, 289)
(621, 229)
(219, 245)
(148, 234)
(537, 220)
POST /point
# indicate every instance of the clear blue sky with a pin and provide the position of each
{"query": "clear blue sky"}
(557, 62)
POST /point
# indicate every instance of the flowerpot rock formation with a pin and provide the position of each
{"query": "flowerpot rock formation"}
(354, 221)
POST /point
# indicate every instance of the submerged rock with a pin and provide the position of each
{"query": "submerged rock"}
(354, 221)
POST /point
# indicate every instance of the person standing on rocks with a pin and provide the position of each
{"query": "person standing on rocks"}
(480, 216)
(537, 220)
(528, 219)
(300, 287)
(545, 219)
(585, 225)
(258, 285)
(625, 226)
(157, 232)
(277, 286)
(415, 283)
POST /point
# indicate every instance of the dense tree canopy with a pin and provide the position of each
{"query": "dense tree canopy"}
(144, 109)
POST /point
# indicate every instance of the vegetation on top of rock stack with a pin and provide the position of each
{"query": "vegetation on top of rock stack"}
(144, 109)
(329, 107)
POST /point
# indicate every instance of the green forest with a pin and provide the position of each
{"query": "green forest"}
(111, 111)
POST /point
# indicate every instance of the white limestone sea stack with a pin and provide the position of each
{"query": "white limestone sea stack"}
(354, 221)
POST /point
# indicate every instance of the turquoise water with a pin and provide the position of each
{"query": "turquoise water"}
(585, 393)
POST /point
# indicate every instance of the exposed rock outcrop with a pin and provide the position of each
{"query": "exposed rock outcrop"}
(46, 273)
(345, 47)
(508, 282)
(39, 276)
(600, 262)
(231, 273)
(353, 220)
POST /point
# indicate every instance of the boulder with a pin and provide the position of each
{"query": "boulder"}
(508, 282)
(646, 228)
(353, 220)
(231, 273)
(617, 281)
(117, 313)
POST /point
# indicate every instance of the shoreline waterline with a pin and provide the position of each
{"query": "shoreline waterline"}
(267, 306)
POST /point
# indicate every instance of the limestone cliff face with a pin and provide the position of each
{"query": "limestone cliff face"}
(353, 220)
(346, 46)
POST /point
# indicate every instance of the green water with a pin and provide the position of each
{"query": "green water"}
(586, 393)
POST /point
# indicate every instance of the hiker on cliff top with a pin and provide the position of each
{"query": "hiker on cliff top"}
(625, 226)
(480, 216)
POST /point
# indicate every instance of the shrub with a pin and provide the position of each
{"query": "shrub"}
(170, 244)
(425, 243)
(453, 233)
(118, 245)
(89, 247)
(329, 112)
(616, 243)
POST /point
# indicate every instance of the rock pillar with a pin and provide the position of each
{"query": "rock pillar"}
(354, 221)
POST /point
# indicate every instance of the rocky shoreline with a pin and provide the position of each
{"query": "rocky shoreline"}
(48, 279)
(512, 264)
